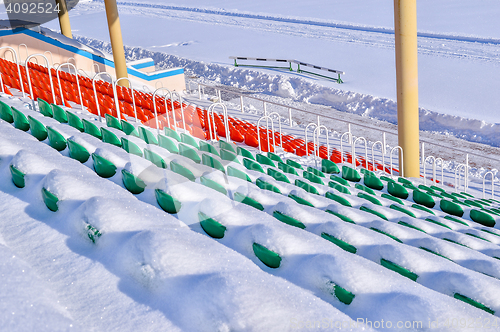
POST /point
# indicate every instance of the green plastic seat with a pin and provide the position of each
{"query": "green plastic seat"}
(421, 186)
(456, 220)
(239, 197)
(478, 237)
(77, 151)
(306, 186)
(341, 294)
(392, 198)
(50, 200)
(294, 164)
(451, 208)
(181, 170)
(373, 182)
(386, 179)
(365, 189)
(212, 227)
(287, 168)
(264, 160)
(227, 146)
(45, 108)
(74, 121)
(473, 303)
(129, 128)
(6, 112)
(212, 162)
(340, 180)
(204, 146)
(17, 177)
(37, 128)
(189, 152)
(404, 181)
(167, 143)
(397, 190)
(350, 174)
(450, 196)
(20, 120)
(228, 155)
(482, 218)
(234, 172)
(252, 165)
(274, 157)
(172, 133)
(132, 183)
(376, 213)
(404, 223)
(424, 199)
(168, 203)
(110, 137)
(329, 167)
(266, 186)
(103, 167)
(473, 203)
(147, 136)
(56, 140)
(386, 234)
(422, 208)
(300, 200)
(266, 256)
(438, 189)
(435, 253)
(398, 269)
(339, 187)
(342, 244)
(188, 139)
(212, 184)
(288, 220)
(91, 129)
(369, 198)
(459, 196)
(311, 177)
(59, 113)
(113, 122)
(155, 158)
(131, 147)
(316, 172)
(245, 153)
(401, 209)
(277, 175)
(341, 216)
(338, 199)
(366, 172)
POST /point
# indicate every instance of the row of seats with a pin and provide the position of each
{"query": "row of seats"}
(211, 226)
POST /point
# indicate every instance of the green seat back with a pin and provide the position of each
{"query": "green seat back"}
(91, 129)
(264, 160)
(186, 151)
(6, 112)
(172, 133)
(45, 108)
(168, 144)
(329, 167)
(59, 113)
(179, 169)
(103, 167)
(113, 122)
(155, 158)
(167, 202)
(77, 151)
(20, 120)
(110, 137)
(38, 130)
(350, 174)
(147, 136)
(245, 153)
(212, 162)
(188, 139)
(132, 183)
(277, 175)
(129, 128)
(56, 140)
(131, 147)
(204, 146)
(74, 121)
(252, 165)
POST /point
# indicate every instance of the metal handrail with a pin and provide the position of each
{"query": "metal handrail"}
(349, 138)
(95, 91)
(19, 50)
(279, 122)
(29, 80)
(316, 143)
(166, 109)
(51, 58)
(175, 93)
(226, 122)
(383, 155)
(13, 51)
(131, 88)
(305, 134)
(401, 168)
(492, 184)
(433, 169)
(353, 147)
(267, 117)
(77, 82)
(457, 176)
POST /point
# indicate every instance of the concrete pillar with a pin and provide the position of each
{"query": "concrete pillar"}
(64, 19)
(405, 26)
(115, 35)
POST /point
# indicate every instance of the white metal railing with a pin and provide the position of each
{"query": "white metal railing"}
(382, 150)
(279, 123)
(226, 121)
(155, 93)
(316, 134)
(131, 88)
(70, 65)
(175, 93)
(16, 61)
(305, 134)
(98, 75)
(267, 117)
(353, 153)
(401, 167)
(349, 141)
(492, 184)
(458, 171)
(29, 80)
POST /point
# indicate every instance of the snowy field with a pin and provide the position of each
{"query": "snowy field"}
(459, 47)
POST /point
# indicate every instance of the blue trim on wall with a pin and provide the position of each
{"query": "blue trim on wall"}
(144, 65)
(90, 56)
